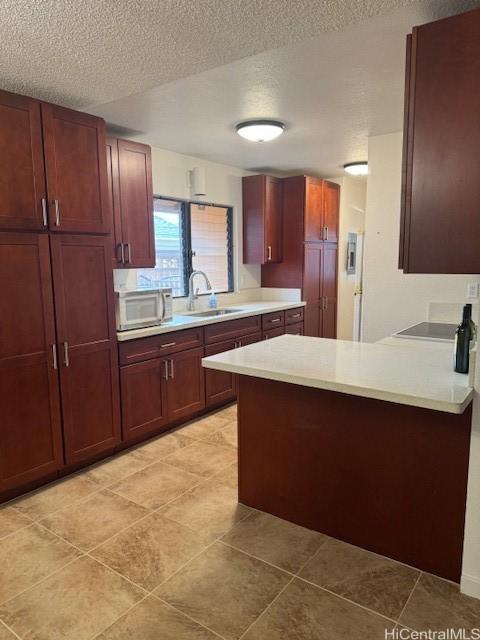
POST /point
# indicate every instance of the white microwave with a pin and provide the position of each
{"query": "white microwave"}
(138, 309)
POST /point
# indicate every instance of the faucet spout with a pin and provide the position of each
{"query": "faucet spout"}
(191, 295)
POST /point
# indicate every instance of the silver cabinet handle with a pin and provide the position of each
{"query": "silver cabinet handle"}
(295, 315)
(127, 253)
(66, 359)
(275, 320)
(167, 344)
(165, 366)
(56, 206)
(121, 249)
(44, 212)
(269, 252)
(172, 369)
(326, 303)
(54, 356)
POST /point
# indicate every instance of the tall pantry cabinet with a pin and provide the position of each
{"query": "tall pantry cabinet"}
(310, 250)
(59, 397)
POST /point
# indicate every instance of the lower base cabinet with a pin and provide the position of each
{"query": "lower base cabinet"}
(158, 392)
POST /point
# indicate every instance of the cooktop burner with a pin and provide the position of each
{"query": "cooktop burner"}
(430, 330)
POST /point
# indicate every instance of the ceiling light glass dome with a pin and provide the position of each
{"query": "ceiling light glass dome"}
(260, 130)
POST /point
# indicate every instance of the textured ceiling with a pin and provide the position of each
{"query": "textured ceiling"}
(333, 92)
(84, 52)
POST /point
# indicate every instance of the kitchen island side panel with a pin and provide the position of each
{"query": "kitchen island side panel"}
(386, 477)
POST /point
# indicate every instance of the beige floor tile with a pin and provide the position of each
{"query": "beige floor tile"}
(5, 634)
(228, 476)
(212, 507)
(157, 484)
(164, 445)
(116, 468)
(227, 435)
(373, 581)
(151, 550)
(202, 458)
(89, 523)
(437, 605)
(75, 603)
(11, 520)
(230, 412)
(55, 496)
(305, 612)
(282, 543)
(153, 620)
(205, 426)
(224, 589)
(29, 555)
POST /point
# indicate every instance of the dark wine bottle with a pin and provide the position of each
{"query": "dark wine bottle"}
(463, 337)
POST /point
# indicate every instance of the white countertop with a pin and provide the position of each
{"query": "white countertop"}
(417, 377)
(187, 322)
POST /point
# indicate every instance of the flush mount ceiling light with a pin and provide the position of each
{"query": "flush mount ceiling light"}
(260, 130)
(356, 168)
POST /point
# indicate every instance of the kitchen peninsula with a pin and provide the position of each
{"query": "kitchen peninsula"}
(367, 443)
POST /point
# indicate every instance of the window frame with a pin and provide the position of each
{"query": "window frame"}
(187, 240)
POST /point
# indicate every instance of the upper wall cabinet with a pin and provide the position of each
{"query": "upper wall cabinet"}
(322, 200)
(262, 219)
(440, 224)
(65, 192)
(129, 166)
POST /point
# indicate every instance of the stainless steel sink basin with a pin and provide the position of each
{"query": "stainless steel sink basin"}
(211, 313)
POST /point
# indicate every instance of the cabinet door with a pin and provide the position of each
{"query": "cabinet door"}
(220, 386)
(312, 288)
(136, 203)
(314, 210)
(442, 186)
(273, 220)
(329, 291)
(144, 398)
(295, 329)
(331, 206)
(313, 319)
(83, 284)
(185, 389)
(22, 181)
(76, 166)
(273, 333)
(30, 429)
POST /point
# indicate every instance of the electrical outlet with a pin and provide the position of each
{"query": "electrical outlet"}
(472, 290)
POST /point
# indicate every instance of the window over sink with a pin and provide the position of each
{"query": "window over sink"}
(189, 236)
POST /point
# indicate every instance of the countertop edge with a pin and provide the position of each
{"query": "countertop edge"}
(362, 392)
(270, 307)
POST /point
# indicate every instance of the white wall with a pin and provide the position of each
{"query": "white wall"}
(393, 300)
(352, 220)
(224, 186)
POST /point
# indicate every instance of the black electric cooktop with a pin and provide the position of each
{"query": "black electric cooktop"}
(430, 330)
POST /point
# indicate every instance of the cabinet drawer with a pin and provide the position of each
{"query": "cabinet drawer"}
(292, 316)
(295, 329)
(273, 333)
(273, 320)
(232, 329)
(158, 346)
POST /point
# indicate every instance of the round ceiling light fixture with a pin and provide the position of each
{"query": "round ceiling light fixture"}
(356, 168)
(260, 130)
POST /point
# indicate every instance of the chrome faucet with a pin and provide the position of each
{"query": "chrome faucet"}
(191, 295)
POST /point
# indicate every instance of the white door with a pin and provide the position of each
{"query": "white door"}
(358, 292)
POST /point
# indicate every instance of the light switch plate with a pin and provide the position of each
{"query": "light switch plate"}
(472, 290)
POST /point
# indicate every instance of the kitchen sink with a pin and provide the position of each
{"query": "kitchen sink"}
(212, 313)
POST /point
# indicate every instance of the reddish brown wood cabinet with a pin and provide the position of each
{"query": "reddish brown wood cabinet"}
(30, 426)
(23, 194)
(310, 250)
(53, 168)
(262, 219)
(440, 222)
(129, 166)
(88, 362)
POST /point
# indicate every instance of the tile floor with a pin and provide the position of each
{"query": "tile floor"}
(153, 545)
